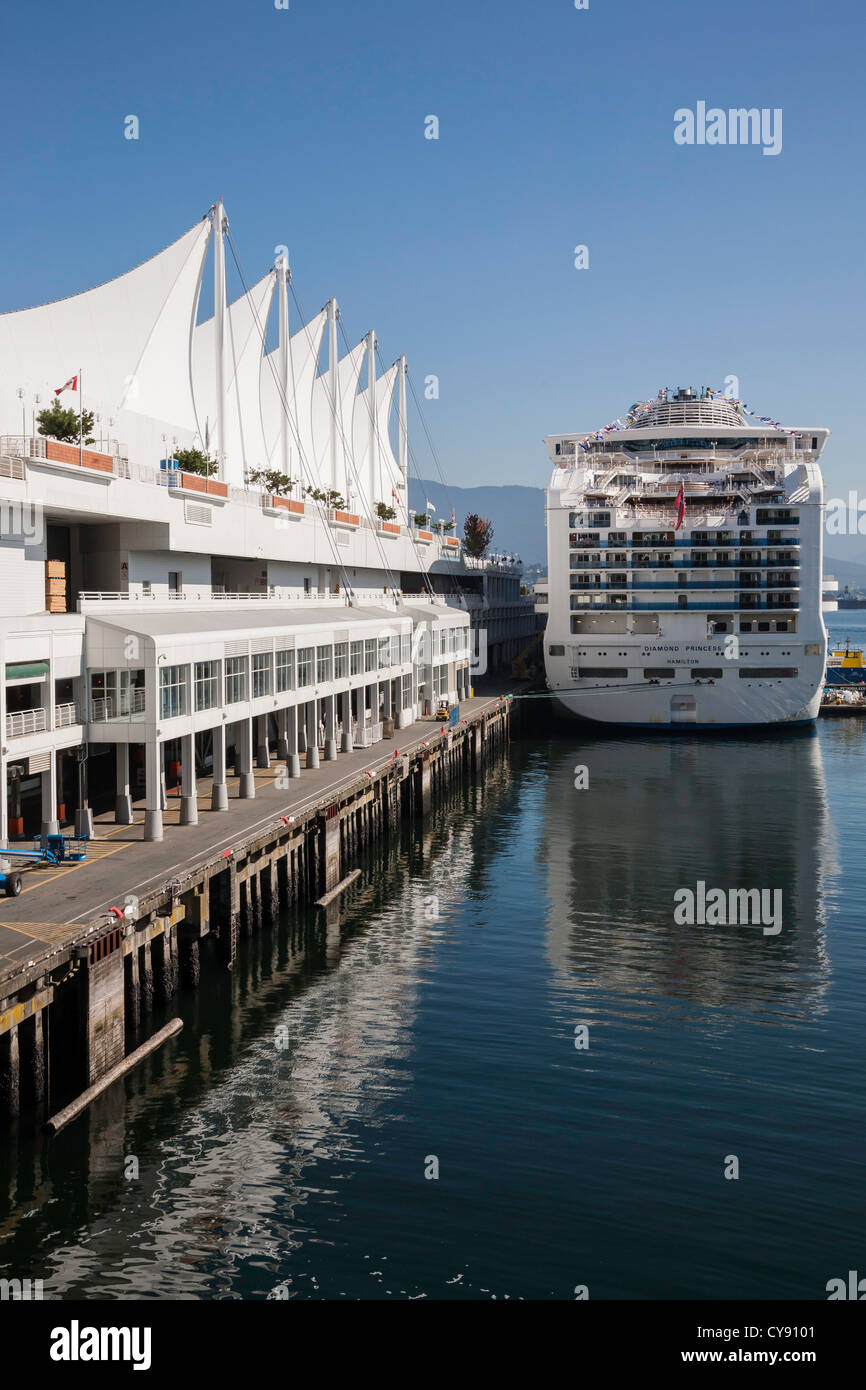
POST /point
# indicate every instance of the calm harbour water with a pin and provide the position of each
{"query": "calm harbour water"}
(447, 1029)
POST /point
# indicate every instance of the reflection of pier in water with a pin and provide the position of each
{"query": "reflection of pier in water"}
(255, 1122)
(662, 814)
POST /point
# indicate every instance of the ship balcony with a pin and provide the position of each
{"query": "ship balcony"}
(616, 603)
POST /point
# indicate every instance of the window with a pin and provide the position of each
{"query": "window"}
(706, 673)
(261, 674)
(116, 695)
(395, 651)
(173, 691)
(305, 666)
(406, 647)
(207, 690)
(236, 679)
(324, 664)
(384, 651)
(341, 660)
(407, 692)
(440, 681)
(285, 670)
(659, 673)
(370, 654)
(355, 662)
(610, 673)
(174, 582)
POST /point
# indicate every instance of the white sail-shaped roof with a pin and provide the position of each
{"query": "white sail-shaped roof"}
(130, 340)
(379, 476)
(391, 477)
(348, 374)
(304, 348)
(246, 325)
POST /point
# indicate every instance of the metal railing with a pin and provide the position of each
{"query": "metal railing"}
(11, 467)
(26, 721)
(65, 715)
(109, 707)
(366, 737)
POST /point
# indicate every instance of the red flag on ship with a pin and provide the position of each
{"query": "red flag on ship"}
(681, 508)
(70, 385)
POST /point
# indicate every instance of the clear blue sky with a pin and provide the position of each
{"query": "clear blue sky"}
(556, 128)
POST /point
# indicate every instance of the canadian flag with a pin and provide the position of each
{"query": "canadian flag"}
(70, 385)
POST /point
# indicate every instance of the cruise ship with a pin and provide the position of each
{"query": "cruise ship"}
(684, 567)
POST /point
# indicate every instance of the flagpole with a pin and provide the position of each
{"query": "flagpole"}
(80, 418)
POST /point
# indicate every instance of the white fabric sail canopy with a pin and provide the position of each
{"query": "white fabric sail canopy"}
(150, 373)
(130, 340)
(246, 325)
(304, 348)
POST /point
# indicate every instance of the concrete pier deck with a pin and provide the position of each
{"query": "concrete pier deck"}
(56, 902)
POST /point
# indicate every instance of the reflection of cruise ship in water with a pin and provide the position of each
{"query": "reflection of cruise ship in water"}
(684, 567)
(660, 815)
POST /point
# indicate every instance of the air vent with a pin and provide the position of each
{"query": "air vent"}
(197, 515)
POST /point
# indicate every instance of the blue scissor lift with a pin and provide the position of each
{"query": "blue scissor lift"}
(47, 849)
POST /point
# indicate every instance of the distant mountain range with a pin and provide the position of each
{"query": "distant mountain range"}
(517, 513)
(846, 571)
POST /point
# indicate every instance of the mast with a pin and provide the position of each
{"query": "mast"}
(218, 222)
(371, 393)
(403, 458)
(332, 368)
(284, 276)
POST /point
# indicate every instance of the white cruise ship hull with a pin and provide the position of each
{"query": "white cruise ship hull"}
(685, 568)
(687, 707)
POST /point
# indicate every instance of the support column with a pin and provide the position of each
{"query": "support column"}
(219, 797)
(122, 799)
(282, 735)
(293, 761)
(4, 795)
(10, 1073)
(312, 735)
(263, 753)
(50, 823)
(330, 727)
(244, 738)
(153, 790)
(347, 740)
(37, 1058)
(188, 791)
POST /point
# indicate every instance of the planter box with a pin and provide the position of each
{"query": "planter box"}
(68, 453)
(275, 505)
(195, 482)
(390, 528)
(452, 542)
(425, 536)
(344, 519)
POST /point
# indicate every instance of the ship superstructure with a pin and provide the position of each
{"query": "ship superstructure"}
(684, 567)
